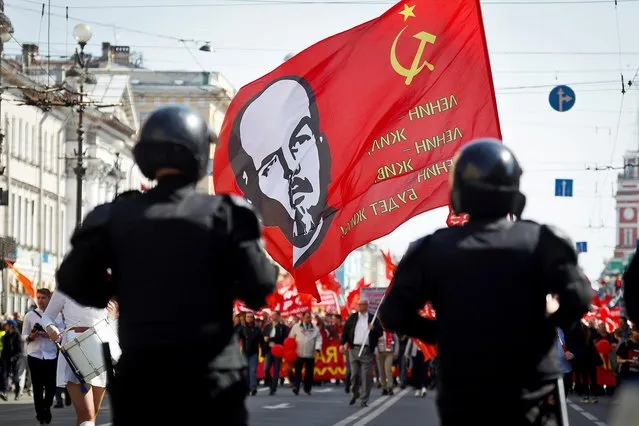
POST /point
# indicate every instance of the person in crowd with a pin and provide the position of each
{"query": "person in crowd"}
(12, 359)
(251, 340)
(418, 369)
(42, 357)
(628, 357)
(585, 365)
(386, 352)
(309, 343)
(274, 334)
(78, 319)
(359, 338)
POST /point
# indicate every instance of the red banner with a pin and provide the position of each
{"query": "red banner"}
(355, 135)
(330, 364)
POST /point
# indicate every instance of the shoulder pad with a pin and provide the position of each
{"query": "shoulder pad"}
(238, 201)
(244, 220)
(415, 246)
(552, 235)
(97, 217)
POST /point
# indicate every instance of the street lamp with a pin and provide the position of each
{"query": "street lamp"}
(82, 34)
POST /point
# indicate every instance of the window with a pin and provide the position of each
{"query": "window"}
(25, 141)
(48, 152)
(16, 146)
(627, 238)
(158, 100)
(171, 101)
(45, 212)
(34, 226)
(51, 229)
(18, 217)
(14, 212)
(29, 223)
(34, 146)
(63, 234)
(201, 102)
(187, 101)
(141, 100)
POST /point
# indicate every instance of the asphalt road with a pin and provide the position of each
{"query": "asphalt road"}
(327, 406)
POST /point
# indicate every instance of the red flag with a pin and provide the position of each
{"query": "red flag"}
(330, 282)
(26, 282)
(455, 220)
(390, 265)
(352, 298)
(347, 140)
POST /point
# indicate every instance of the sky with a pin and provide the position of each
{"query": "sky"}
(533, 45)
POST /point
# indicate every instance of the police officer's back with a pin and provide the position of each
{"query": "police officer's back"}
(178, 260)
(488, 283)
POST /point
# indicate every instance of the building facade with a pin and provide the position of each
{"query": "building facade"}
(627, 215)
(39, 156)
(365, 262)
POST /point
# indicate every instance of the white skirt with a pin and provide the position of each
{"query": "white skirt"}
(65, 373)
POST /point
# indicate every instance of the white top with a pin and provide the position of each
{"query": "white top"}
(361, 329)
(41, 347)
(75, 315)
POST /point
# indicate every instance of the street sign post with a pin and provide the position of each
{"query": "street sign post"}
(563, 187)
(562, 98)
(582, 247)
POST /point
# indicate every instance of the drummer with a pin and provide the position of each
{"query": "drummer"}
(77, 319)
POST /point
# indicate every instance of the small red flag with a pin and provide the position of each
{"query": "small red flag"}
(26, 282)
(355, 135)
(456, 220)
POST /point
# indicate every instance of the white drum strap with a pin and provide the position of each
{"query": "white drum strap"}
(87, 424)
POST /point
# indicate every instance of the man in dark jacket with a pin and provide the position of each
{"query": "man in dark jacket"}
(359, 338)
(275, 333)
(251, 339)
(12, 359)
(177, 249)
(499, 276)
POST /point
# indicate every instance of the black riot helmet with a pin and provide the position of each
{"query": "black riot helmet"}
(485, 182)
(174, 137)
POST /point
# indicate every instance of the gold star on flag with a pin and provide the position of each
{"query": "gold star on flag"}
(407, 12)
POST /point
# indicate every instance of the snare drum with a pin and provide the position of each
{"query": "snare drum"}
(85, 350)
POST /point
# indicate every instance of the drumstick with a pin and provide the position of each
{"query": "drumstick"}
(74, 368)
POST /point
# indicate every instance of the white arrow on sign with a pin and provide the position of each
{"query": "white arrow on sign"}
(278, 406)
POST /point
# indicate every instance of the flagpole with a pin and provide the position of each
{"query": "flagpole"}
(368, 332)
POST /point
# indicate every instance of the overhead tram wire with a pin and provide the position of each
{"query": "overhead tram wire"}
(253, 49)
(241, 3)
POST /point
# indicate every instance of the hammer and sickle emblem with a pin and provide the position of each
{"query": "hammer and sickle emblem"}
(415, 67)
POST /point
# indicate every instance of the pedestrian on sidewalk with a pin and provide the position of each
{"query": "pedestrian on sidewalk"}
(42, 357)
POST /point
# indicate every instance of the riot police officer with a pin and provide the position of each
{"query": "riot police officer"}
(488, 282)
(178, 259)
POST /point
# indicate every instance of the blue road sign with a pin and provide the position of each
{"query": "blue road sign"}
(563, 187)
(562, 98)
(582, 246)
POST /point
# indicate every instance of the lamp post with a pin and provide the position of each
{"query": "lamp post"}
(82, 34)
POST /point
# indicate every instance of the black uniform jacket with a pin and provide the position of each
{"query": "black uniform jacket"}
(488, 284)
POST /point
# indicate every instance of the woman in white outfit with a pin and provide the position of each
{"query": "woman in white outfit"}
(77, 319)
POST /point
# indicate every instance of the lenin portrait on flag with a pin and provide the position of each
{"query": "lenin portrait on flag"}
(282, 162)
